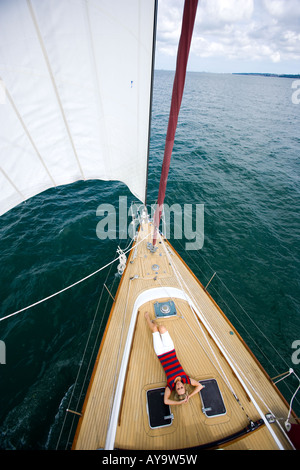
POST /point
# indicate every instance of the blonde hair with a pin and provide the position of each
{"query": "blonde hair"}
(180, 397)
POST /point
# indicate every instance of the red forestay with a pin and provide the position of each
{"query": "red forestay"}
(188, 20)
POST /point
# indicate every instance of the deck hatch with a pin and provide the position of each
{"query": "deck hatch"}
(212, 400)
(164, 309)
(159, 414)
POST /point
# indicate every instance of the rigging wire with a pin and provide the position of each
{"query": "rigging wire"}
(82, 360)
(69, 287)
(217, 363)
(248, 316)
(177, 275)
(245, 312)
(126, 249)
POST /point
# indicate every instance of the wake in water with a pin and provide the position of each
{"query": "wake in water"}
(27, 424)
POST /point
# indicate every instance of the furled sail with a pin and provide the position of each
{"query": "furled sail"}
(76, 76)
(188, 21)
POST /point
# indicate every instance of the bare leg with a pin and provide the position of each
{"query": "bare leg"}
(152, 326)
(162, 329)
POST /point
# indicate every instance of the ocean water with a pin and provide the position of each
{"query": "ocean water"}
(237, 152)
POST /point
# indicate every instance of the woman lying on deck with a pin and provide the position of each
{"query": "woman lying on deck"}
(176, 377)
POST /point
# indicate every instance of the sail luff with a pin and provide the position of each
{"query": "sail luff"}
(188, 20)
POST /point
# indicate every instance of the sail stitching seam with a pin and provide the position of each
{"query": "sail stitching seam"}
(30, 139)
(34, 19)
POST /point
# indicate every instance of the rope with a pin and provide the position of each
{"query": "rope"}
(179, 279)
(241, 307)
(219, 367)
(81, 363)
(237, 319)
(287, 374)
(91, 354)
(69, 287)
(122, 259)
(291, 402)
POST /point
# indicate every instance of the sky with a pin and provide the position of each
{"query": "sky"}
(233, 36)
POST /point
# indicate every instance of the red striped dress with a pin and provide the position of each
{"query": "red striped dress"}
(173, 368)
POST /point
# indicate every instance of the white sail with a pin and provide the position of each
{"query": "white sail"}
(77, 79)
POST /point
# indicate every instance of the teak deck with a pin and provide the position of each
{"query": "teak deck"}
(207, 346)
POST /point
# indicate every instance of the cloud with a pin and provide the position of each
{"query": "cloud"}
(221, 12)
(169, 26)
(252, 33)
(283, 10)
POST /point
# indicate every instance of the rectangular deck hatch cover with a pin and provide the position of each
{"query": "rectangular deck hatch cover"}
(159, 414)
(212, 401)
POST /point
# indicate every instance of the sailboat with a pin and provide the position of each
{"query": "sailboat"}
(78, 88)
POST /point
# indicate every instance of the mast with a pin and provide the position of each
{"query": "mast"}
(188, 20)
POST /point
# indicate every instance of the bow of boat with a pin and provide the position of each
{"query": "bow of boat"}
(124, 406)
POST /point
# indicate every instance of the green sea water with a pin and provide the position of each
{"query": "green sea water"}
(237, 152)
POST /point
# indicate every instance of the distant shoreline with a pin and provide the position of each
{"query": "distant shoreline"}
(255, 74)
(269, 75)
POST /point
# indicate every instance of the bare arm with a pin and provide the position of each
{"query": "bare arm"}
(197, 386)
(168, 401)
(167, 395)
